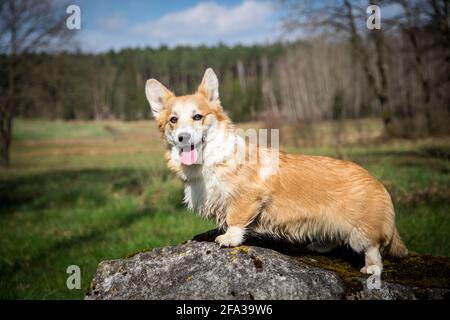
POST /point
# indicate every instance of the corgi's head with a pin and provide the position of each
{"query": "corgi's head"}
(187, 122)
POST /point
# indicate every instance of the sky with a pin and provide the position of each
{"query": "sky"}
(115, 24)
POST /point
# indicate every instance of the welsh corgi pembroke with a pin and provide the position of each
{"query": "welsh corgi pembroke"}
(327, 201)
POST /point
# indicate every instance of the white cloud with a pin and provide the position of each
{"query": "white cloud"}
(204, 23)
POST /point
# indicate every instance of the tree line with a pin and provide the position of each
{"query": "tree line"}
(111, 85)
(400, 73)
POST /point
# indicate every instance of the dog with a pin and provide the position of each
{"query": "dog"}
(326, 201)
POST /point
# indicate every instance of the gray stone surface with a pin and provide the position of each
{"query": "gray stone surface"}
(202, 270)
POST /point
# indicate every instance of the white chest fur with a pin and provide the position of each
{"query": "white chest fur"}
(208, 196)
(208, 191)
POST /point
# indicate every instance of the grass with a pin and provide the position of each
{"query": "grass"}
(82, 192)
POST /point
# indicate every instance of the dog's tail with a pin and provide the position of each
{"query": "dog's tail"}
(397, 248)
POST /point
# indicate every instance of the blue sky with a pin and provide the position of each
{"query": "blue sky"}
(115, 24)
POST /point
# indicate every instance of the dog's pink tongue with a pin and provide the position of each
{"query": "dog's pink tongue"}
(188, 157)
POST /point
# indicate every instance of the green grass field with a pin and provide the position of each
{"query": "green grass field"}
(82, 192)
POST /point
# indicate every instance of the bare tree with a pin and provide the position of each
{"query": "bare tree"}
(426, 36)
(440, 17)
(411, 23)
(341, 18)
(381, 89)
(25, 26)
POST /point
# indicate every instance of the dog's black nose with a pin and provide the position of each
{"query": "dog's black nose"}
(184, 137)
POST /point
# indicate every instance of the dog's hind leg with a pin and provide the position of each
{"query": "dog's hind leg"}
(373, 262)
(359, 242)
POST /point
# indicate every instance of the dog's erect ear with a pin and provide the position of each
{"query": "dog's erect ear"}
(156, 94)
(210, 86)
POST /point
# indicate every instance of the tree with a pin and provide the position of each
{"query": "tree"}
(412, 22)
(25, 26)
(341, 18)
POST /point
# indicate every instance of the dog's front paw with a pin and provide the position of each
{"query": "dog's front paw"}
(232, 238)
(227, 240)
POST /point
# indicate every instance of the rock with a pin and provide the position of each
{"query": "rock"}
(263, 269)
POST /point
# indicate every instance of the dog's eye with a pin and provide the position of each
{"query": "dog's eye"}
(173, 119)
(197, 117)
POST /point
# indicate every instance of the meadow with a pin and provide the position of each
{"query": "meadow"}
(80, 192)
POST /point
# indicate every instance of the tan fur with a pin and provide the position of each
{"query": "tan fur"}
(307, 198)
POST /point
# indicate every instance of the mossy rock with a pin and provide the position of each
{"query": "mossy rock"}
(418, 271)
(264, 269)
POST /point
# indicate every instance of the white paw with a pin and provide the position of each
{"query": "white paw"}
(226, 240)
(232, 238)
(372, 269)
